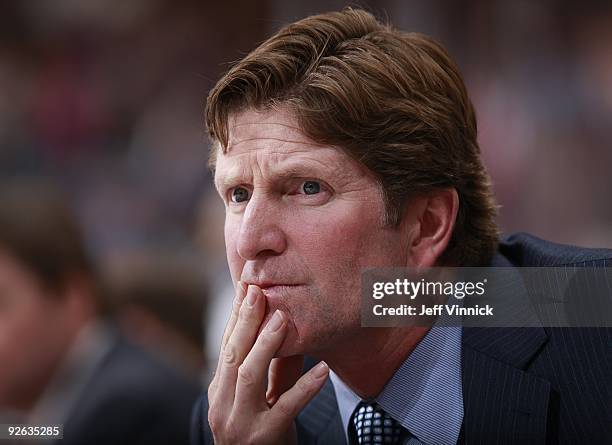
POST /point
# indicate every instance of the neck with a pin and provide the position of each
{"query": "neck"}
(385, 350)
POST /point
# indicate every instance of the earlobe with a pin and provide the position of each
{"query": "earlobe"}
(433, 216)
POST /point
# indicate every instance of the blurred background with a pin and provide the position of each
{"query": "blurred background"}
(106, 98)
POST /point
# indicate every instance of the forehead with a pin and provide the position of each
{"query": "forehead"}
(275, 127)
(273, 140)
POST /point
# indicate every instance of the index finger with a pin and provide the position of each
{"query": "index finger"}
(241, 288)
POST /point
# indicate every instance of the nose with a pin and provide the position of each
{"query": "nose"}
(260, 229)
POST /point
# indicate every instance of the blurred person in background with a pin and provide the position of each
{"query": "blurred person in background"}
(159, 301)
(61, 362)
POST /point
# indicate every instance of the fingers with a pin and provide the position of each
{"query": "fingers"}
(241, 288)
(237, 404)
(293, 401)
(239, 344)
(250, 385)
(283, 374)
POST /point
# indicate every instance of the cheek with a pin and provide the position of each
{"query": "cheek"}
(338, 243)
(234, 261)
(344, 233)
(24, 357)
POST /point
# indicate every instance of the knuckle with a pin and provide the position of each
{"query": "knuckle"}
(246, 313)
(258, 437)
(303, 386)
(233, 431)
(214, 421)
(229, 430)
(245, 375)
(267, 340)
(230, 355)
(286, 409)
(236, 305)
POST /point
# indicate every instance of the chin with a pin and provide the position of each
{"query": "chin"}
(290, 346)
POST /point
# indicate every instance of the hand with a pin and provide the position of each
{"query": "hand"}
(239, 409)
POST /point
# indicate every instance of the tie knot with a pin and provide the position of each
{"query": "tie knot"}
(372, 425)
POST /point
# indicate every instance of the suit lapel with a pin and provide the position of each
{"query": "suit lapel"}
(320, 423)
(502, 403)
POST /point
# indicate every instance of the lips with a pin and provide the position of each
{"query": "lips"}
(269, 282)
(267, 285)
(277, 289)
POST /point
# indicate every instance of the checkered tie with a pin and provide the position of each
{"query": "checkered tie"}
(372, 425)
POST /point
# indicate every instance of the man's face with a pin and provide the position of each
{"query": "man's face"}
(302, 222)
(31, 335)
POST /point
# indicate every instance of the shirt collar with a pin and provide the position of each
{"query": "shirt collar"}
(424, 394)
(347, 400)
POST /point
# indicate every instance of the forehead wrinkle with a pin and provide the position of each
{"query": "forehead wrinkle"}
(233, 145)
(271, 141)
(276, 131)
(279, 124)
(278, 164)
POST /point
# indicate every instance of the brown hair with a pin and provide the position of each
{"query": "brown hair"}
(164, 284)
(394, 101)
(39, 230)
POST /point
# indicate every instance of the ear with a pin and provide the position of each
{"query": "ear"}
(429, 221)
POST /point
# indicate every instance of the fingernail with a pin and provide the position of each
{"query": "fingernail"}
(275, 322)
(320, 370)
(251, 295)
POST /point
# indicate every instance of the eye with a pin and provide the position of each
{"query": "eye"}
(311, 187)
(239, 194)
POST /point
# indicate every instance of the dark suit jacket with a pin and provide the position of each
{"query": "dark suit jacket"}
(132, 399)
(520, 385)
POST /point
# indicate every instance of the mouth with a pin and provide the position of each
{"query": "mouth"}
(277, 290)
